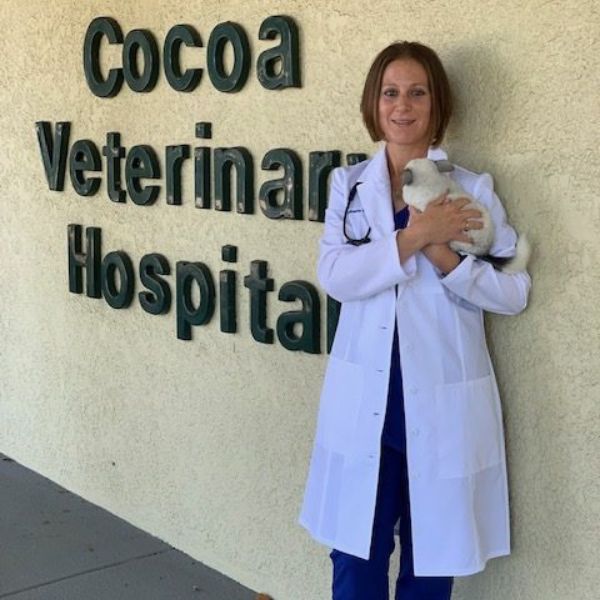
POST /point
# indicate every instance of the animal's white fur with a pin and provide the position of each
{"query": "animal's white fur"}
(428, 183)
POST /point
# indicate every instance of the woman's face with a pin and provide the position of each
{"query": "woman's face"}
(405, 104)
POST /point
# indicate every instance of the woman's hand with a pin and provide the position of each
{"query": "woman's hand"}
(444, 220)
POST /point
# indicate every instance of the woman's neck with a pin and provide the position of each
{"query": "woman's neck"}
(397, 159)
(399, 156)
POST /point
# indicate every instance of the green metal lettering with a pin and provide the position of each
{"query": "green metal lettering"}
(189, 315)
(290, 185)
(203, 130)
(355, 157)
(333, 316)
(320, 165)
(136, 40)
(114, 152)
(227, 291)
(229, 253)
(180, 81)
(101, 27)
(142, 162)
(84, 156)
(259, 284)
(175, 155)
(157, 300)
(54, 151)
(202, 167)
(227, 307)
(117, 295)
(89, 260)
(279, 67)
(220, 36)
(308, 318)
(224, 159)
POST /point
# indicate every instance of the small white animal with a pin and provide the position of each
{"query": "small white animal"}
(424, 180)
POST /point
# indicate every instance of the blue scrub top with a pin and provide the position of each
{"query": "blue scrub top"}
(394, 429)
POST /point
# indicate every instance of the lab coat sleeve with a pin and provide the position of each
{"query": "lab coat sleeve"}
(477, 281)
(348, 272)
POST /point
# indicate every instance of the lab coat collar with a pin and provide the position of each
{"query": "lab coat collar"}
(437, 154)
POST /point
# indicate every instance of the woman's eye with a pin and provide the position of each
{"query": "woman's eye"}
(418, 92)
(390, 93)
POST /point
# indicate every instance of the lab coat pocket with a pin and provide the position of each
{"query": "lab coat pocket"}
(469, 437)
(341, 398)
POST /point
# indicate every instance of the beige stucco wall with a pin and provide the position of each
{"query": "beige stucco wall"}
(206, 443)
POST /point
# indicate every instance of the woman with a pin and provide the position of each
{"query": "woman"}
(410, 423)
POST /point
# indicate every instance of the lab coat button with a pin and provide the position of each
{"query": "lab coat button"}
(409, 347)
(413, 389)
(415, 432)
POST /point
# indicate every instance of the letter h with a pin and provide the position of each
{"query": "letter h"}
(90, 261)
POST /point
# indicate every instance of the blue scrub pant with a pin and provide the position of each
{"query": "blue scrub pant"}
(359, 579)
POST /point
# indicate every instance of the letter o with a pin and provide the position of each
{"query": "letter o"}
(136, 40)
(234, 34)
(117, 297)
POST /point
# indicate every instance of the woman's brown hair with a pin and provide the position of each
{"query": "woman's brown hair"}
(439, 88)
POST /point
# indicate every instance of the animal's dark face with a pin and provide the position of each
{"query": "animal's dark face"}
(421, 169)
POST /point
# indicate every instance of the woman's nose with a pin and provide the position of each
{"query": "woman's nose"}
(402, 101)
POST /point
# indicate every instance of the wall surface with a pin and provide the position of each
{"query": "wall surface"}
(206, 443)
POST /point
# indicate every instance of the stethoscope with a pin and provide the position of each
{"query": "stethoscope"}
(349, 240)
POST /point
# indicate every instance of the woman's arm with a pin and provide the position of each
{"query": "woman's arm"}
(348, 272)
(477, 281)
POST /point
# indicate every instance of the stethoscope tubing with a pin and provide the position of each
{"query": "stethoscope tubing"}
(349, 240)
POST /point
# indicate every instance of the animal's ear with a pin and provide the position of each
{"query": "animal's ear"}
(407, 177)
(444, 166)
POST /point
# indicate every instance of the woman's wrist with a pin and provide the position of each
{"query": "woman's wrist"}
(410, 241)
(442, 257)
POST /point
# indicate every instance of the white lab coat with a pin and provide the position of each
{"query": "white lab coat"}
(455, 441)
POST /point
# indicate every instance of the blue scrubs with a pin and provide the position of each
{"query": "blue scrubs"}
(394, 429)
(355, 578)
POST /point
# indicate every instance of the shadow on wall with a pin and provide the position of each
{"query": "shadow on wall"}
(490, 108)
(473, 72)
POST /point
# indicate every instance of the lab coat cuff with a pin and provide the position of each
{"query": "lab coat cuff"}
(461, 257)
(460, 274)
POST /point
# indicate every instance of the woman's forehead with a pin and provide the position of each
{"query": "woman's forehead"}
(405, 71)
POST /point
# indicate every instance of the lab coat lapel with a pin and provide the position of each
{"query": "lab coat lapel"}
(375, 195)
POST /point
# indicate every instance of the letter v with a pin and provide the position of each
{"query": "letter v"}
(54, 151)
